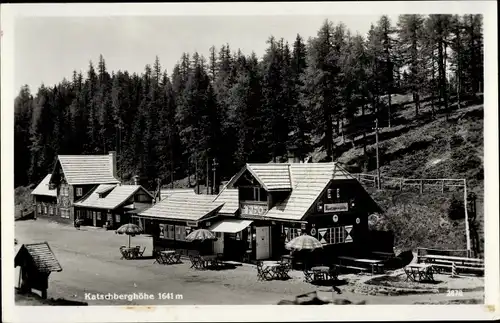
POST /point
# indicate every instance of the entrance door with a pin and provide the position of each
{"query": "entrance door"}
(219, 243)
(262, 243)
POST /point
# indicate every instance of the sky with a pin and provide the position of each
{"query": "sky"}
(47, 49)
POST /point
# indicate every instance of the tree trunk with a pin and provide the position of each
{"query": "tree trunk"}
(390, 98)
(441, 72)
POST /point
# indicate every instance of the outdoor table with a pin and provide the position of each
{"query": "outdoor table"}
(287, 258)
(129, 253)
(212, 260)
(374, 264)
(451, 258)
(321, 271)
(419, 272)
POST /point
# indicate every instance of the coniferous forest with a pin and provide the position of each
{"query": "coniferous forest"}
(239, 108)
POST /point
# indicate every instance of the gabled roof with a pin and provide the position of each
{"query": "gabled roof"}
(308, 182)
(117, 197)
(228, 196)
(87, 169)
(42, 256)
(271, 176)
(43, 188)
(183, 207)
(166, 192)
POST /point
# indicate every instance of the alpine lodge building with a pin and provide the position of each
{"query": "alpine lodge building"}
(266, 205)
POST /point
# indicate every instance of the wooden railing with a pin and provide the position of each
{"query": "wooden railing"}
(400, 183)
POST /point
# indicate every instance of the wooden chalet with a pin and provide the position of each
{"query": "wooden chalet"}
(73, 178)
(265, 205)
(112, 205)
(45, 199)
(37, 261)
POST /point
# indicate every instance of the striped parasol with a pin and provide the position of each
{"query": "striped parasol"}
(201, 235)
(304, 242)
(129, 229)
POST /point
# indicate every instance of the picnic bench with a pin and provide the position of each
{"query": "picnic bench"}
(419, 272)
(321, 273)
(131, 252)
(267, 270)
(376, 265)
(463, 264)
(168, 257)
(383, 255)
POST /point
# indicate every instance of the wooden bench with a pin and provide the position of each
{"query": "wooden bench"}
(479, 270)
(352, 267)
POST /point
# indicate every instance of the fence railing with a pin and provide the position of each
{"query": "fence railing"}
(400, 183)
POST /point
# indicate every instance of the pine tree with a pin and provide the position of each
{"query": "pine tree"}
(23, 110)
(410, 33)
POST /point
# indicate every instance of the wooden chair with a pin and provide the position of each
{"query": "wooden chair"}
(333, 273)
(262, 273)
(308, 276)
(177, 257)
(125, 253)
(140, 253)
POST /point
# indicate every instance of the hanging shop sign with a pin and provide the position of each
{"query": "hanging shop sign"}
(336, 207)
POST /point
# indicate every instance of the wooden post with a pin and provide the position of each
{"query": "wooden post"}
(467, 233)
(376, 147)
(207, 177)
(421, 186)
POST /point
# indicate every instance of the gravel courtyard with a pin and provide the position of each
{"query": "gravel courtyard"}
(91, 264)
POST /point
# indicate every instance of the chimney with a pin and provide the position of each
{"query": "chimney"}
(136, 180)
(112, 162)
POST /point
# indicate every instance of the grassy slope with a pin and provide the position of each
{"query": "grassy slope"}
(423, 147)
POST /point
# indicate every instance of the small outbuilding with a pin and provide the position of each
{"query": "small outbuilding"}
(37, 261)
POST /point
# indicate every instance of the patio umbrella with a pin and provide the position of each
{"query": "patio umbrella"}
(129, 229)
(201, 235)
(304, 242)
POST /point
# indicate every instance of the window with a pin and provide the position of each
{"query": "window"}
(39, 208)
(45, 209)
(170, 232)
(98, 215)
(93, 215)
(291, 233)
(338, 235)
(178, 232)
(118, 218)
(79, 191)
(65, 213)
(329, 194)
(338, 193)
(51, 210)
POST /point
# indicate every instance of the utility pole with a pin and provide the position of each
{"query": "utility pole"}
(206, 176)
(214, 169)
(376, 147)
(196, 175)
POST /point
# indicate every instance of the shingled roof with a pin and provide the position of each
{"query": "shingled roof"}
(117, 197)
(41, 256)
(43, 188)
(308, 181)
(87, 169)
(228, 196)
(183, 207)
(272, 176)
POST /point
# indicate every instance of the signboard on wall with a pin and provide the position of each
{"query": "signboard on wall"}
(336, 207)
(192, 223)
(253, 209)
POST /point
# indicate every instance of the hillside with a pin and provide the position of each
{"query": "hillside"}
(424, 147)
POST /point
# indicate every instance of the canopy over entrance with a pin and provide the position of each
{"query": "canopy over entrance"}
(230, 225)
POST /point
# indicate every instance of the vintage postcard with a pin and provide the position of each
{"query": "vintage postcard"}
(211, 161)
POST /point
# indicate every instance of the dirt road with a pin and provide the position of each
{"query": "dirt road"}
(92, 268)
